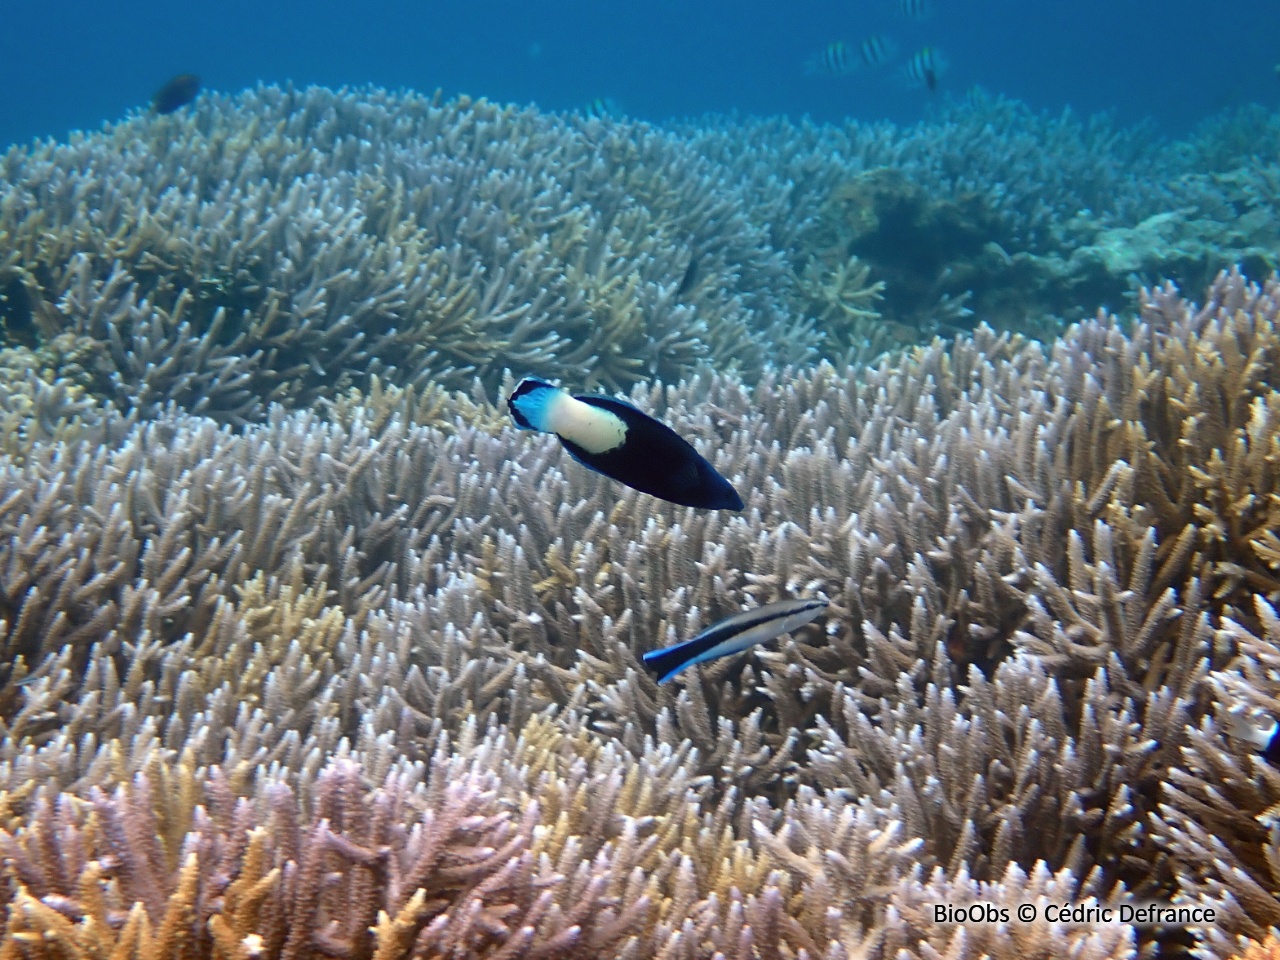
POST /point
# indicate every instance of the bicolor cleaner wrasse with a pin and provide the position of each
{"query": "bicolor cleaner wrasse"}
(612, 437)
(734, 634)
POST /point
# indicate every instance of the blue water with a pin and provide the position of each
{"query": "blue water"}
(71, 64)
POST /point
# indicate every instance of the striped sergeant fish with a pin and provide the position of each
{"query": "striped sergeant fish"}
(600, 107)
(625, 444)
(915, 9)
(734, 634)
(925, 67)
(837, 59)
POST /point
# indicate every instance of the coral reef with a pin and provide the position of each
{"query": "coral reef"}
(363, 680)
(305, 652)
(283, 244)
(1266, 950)
(1028, 220)
(915, 246)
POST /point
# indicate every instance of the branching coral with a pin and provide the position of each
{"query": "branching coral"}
(1027, 219)
(842, 300)
(273, 650)
(1265, 950)
(283, 243)
(552, 844)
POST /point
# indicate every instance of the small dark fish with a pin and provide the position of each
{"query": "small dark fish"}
(690, 276)
(614, 438)
(178, 92)
(734, 634)
(925, 67)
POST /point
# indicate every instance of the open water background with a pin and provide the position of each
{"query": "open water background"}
(67, 64)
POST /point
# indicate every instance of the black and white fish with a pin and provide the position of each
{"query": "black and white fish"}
(734, 634)
(838, 58)
(915, 9)
(876, 51)
(835, 58)
(600, 107)
(612, 437)
(925, 67)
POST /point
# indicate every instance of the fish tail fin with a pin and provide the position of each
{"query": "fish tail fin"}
(528, 403)
(669, 661)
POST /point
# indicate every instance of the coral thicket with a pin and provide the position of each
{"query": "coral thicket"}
(306, 652)
(378, 680)
(283, 244)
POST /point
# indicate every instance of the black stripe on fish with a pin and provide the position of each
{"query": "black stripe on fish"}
(734, 634)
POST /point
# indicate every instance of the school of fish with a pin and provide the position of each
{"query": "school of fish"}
(922, 69)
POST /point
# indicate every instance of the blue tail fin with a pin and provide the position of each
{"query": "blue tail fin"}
(528, 403)
(669, 661)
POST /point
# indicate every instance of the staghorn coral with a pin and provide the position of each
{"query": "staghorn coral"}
(842, 299)
(1037, 218)
(1219, 816)
(1260, 951)
(913, 246)
(283, 245)
(1043, 562)
(550, 844)
(362, 680)
(267, 247)
(450, 859)
(460, 874)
